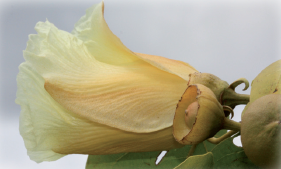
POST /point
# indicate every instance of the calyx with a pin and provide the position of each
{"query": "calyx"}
(224, 92)
(199, 116)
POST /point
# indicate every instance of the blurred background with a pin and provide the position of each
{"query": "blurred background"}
(230, 39)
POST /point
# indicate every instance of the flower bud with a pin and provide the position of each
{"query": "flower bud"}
(261, 131)
(267, 82)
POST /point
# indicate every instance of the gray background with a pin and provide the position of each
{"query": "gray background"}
(230, 39)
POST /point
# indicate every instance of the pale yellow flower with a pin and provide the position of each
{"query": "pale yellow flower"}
(84, 92)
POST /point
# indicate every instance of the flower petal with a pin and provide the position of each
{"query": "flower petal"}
(130, 94)
(134, 97)
(40, 115)
(50, 131)
(93, 30)
(175, 67)
(78, 90)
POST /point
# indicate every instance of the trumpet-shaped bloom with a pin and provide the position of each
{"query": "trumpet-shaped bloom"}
(84, 92)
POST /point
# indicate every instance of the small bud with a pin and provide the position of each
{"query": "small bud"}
(190, 114)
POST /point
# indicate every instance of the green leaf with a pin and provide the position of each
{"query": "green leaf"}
(139, 160)
(224, 155)
(122, 160)
(176, 156)
(147, 159)
(228, 155)
(198, 162)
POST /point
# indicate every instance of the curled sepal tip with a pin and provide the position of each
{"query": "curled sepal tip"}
(200, 116)
(230, 98)
(228, 109)
(238, 82)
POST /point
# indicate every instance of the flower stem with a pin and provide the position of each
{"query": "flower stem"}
(191, 151)
(230, 98)
(231, 125)
(215, 140)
